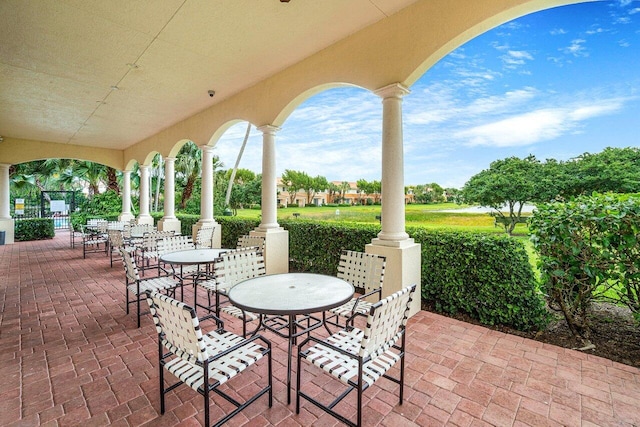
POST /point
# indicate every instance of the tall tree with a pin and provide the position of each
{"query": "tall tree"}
(511, 182)
(188, 169)
(344, 188)
(294, 181)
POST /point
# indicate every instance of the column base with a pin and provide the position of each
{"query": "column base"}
(126, 216)
(276, 249)
(403, 268)
(217, 232)
(145, 219)
(8, 226)
(170, 224)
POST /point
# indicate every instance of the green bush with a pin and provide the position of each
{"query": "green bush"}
(34, 229)
(485, 276)
(232, 228)
(316, 246)
(588, 248)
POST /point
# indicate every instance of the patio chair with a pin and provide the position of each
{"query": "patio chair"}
(174, 244)
(227, 271)
(204, 237)
(73, 233)
(147, 254)
(91, 241)
(204, 362)
(116, 242)
(135, 286)
(358, 358)
(247, 241)
(366, 273)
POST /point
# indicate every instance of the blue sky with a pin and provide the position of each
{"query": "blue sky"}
(554, 84)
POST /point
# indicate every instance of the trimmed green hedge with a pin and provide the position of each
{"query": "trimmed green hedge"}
(485, 276)
(34, 229)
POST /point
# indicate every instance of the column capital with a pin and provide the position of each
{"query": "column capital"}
(169, 159)
(206, 148)
(268, 129)
(394, 90)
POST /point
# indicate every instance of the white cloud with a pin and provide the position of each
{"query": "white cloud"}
(539, 125)
(558, 32)
(576, 48)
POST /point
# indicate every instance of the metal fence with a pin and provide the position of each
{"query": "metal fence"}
(57, 205)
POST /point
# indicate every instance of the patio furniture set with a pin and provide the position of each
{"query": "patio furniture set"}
(289, 305)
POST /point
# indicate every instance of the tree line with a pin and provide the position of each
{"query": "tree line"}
(513, 181)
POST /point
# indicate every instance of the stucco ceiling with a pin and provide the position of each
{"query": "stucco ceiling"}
(111, 73)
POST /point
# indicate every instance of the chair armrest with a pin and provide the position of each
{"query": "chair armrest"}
(326, 344)
(351, 319)
(219, 321)
(240, 345)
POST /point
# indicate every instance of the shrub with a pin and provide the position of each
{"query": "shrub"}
(34, 229)
(485, 276)
(588, 247)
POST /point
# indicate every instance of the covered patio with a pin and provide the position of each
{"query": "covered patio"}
(71, 355)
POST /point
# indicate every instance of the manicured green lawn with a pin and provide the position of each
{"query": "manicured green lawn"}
(416, 215)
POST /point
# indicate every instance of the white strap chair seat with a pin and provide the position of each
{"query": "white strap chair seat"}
(152, 284)
(345, 368)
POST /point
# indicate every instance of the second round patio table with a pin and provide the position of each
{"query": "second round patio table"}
(192, 257)
(290, 295)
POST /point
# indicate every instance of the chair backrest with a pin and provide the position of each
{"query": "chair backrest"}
(204, 237)
(150, 239)
(116, 225)
(386, 322)
(235, 266)
(116, 239)
(130, 267)
(178, 327)
(248, 241)
(102, 226)
(174, 244)
(142, 228)
(362, 270)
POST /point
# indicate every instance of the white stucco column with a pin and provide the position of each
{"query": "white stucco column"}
(393, 228)
(206, 198)
(269, 187)
(276, 252)
(403, 255)
(169, 222)
(6, 222)
(126, 214)
(144, 217)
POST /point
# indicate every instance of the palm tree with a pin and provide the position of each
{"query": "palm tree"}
(188, 168)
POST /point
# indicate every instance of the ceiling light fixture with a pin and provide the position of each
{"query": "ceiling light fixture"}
(132, 65)
(211, 93)
(115, 87)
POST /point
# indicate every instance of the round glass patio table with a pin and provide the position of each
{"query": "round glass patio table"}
(192, 256)
(286, 296)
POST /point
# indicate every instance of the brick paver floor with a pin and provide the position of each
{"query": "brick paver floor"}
(70, 355)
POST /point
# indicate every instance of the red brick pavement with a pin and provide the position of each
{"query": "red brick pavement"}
(69, 355)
